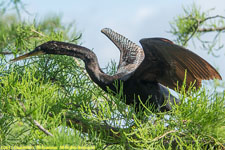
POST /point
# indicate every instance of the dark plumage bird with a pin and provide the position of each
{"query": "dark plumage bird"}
(145, 73)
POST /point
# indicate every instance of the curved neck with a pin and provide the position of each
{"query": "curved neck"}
(89, 58)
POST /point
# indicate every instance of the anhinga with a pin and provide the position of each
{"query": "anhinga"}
(144, 72)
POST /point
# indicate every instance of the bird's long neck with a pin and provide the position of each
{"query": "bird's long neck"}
(89, 58)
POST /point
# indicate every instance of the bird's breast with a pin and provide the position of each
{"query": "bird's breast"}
(136, 90)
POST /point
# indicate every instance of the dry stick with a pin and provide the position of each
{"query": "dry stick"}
(6, 53)
(159, 137)
(36, 123)
(211, 29)
(42, 128)
(41, 34)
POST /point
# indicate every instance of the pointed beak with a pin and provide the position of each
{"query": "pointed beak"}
(33, 53)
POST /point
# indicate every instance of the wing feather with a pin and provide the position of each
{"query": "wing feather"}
(172, 61)
(131, 55)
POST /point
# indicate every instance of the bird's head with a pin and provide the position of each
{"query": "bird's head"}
(46, 48)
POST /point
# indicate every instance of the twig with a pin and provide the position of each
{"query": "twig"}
(159, 137)
(199, 22)
(37, 32)
(211, 29)
(42, 128)
(35, 122)
(6, 53)
(192, 34)
(213, 17)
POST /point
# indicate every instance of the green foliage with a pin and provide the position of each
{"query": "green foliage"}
(184, 26)
(20, 99)
(7, 30)
(21, 36)
(195, 23)
(56, 93)
(197, 123)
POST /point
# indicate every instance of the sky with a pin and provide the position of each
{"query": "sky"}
(135, 19)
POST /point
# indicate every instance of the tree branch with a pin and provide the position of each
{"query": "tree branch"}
(39, 33)
(6, 53)
(35, 122)
(84, 126)
(165, 134)
(211, 29)
(41, 128)
(213, 17)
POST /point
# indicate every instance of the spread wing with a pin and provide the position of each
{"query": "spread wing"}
(166, 63)
(131, 55)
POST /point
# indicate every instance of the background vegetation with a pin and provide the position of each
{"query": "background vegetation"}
(50, 100)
